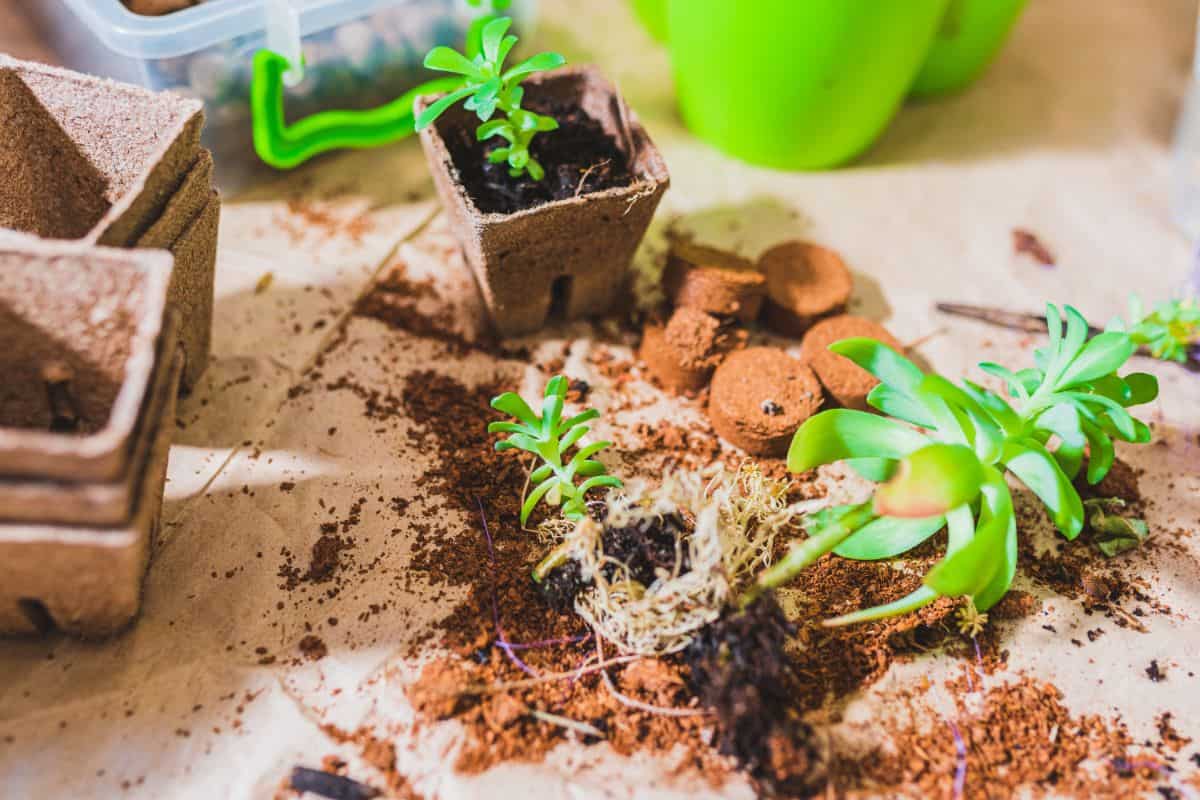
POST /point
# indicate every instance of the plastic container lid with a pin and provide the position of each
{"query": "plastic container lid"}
(202, 26)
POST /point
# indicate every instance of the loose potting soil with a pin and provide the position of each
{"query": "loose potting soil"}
(758, 694)
(579, 158)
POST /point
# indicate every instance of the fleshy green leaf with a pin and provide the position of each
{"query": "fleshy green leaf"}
(874, 469)
(894, 403)
(983, 433)
(512, 404)
(1063, 421)
(492, 36)
(843, 433)
(1142, 386)
(911, 602)
(438, 107)
(1100, 452)
(969, 570)
(496, 127)
(446, 59)
(888, 536)
(1015, 385)
(930, 482)
(881, 361)
(538, 63)
(1102, 355)
(534, 497)
(1038, 470)
(996, 407)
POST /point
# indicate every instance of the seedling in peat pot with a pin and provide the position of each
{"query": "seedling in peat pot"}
(489, 88)
(943, 451)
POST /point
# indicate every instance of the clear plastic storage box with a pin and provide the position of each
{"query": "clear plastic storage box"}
(358, 54)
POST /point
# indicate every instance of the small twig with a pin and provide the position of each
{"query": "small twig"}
(482, 689)
(1134, 621)
(568, 723)
(638, 704)
(913, 345)
(583, 178)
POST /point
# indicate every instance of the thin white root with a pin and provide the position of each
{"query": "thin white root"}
(737, 519)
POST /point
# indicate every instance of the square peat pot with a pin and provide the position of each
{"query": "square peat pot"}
(80, 326)
(104, 503)
(87, 580)
(101, 162)
(569, 255)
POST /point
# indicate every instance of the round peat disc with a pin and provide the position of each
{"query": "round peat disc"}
(845, 381)
(805, 283)
(714, 281)
(682, 354)
(759, 397)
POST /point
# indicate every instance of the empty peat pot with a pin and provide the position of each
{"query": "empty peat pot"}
(91, 368)
(568, 256)
(101, 162)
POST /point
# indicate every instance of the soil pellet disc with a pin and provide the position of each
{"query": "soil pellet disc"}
(715, 281)
(683, 354)
(845, 381)
(805, 283)
(759, 397)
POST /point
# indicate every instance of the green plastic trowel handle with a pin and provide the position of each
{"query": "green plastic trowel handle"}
(285, 146)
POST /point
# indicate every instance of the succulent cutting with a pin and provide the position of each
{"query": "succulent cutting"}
(943, 453)
(550, 437)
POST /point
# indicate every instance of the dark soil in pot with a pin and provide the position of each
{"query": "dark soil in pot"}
(579, 158)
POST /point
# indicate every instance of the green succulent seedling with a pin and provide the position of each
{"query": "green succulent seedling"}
(1170, 332)
(943, 453)
(488, 87)
(550, 437)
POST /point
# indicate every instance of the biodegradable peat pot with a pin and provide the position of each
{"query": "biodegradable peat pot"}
(34, 499)
(107, 163)
(193, 286)
(569, 255)
(80, 326)
(87, 581)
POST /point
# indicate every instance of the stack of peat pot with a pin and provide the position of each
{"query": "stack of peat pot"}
(108, 229)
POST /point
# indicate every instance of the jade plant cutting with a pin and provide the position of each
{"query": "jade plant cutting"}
(943, 453)
(550, 438)
(487, 88)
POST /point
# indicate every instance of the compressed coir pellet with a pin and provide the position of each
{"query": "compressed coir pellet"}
(682, 354)
(845, 381)
(715, 281)
(805, 283)
(759, 397)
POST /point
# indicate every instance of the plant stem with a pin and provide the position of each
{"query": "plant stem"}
(802, 554)
(555, 558)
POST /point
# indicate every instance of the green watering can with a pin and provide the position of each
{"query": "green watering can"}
(809, 84)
